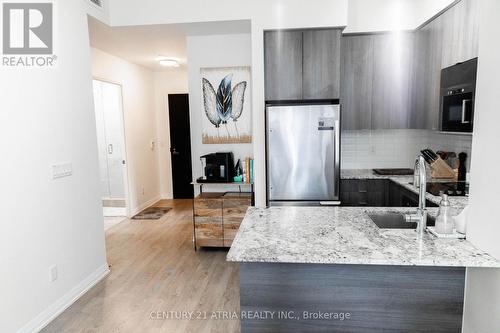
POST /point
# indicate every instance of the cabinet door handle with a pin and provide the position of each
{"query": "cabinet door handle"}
(110, 149)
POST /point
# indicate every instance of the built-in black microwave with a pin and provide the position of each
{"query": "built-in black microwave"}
(458, 89)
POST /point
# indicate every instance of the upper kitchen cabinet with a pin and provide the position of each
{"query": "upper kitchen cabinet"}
(460, 29)
(449, 39)
(427, 76)
(356, 90)
(302, 64)
(376, 80)
(392, 80)
(392, 59)
(321, 64)
(283, 64)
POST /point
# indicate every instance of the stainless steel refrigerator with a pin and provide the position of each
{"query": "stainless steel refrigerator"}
(303, 153)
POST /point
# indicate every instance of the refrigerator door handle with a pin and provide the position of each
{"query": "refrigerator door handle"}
(336, 173)
(329, 203)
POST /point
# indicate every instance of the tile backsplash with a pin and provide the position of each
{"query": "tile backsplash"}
(368, 149)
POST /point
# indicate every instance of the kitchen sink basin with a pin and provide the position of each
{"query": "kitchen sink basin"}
(394, 220)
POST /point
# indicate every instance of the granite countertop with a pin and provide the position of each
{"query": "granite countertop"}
(458, 203)
(344, 235)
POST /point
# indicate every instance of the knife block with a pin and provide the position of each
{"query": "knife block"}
(441, 170)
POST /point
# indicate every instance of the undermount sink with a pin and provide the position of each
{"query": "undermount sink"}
(394, 220)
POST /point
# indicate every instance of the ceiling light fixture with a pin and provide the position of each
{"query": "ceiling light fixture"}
(168, 62)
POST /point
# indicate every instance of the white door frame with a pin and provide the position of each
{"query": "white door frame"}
(125, 166)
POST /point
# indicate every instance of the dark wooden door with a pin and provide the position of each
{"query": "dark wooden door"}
(180, 146)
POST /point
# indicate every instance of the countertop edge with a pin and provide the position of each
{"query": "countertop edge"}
(406, 264)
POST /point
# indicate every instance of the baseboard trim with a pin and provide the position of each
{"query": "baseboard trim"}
(58, 307)
(138, 209)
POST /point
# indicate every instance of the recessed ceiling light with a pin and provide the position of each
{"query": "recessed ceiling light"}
(168, 62)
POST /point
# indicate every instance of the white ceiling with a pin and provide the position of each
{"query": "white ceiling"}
(142, 44)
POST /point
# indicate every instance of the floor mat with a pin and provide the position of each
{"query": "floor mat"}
(152, 213)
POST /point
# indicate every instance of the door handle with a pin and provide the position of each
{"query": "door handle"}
(336, 137)
(174, 151)
(110, 149)
(464, 110)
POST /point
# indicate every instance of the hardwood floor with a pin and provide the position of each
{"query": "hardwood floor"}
(154, 268)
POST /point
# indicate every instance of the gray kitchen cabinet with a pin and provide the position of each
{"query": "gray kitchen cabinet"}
(376, 81)
(443, 42)
(356, 81)
(392, 80)
(377, 193)
(400, 196)
(321, 64)
(459, 29)
(380, 74)
(426, 78)
(283, 65)
(418, 115)
(391, 102)
(364, 192)
(432, 93)
(302, 64)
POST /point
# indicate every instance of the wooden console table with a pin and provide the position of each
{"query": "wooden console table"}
(217, 215)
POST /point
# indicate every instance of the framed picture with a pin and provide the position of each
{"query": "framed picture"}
(227, 113)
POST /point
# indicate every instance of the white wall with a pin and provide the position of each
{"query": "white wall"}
(138, 92)
(482, 306)
(213, 51)
(172, 81)
(386, 15)
(46, 116)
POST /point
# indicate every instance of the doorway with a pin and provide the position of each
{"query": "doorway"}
(180, 146)
(111, 149)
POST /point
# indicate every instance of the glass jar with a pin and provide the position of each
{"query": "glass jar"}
(444, 220)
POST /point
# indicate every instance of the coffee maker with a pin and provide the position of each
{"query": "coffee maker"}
(217, 167)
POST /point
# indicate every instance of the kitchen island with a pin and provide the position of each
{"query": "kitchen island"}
(302, 262)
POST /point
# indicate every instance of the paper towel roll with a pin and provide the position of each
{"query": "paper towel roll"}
(461, 221)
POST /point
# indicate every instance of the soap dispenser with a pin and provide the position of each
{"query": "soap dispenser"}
(444, 221)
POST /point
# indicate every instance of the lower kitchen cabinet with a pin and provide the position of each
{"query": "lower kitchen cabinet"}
(217, 217)
(377, 193)
(399, 196)
(364, 192)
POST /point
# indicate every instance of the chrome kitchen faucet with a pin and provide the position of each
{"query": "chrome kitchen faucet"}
(421, 182)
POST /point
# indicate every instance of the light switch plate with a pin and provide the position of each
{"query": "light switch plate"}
(52, 273)
(60, 170)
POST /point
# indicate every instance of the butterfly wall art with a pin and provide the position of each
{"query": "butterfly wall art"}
(226, 105)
